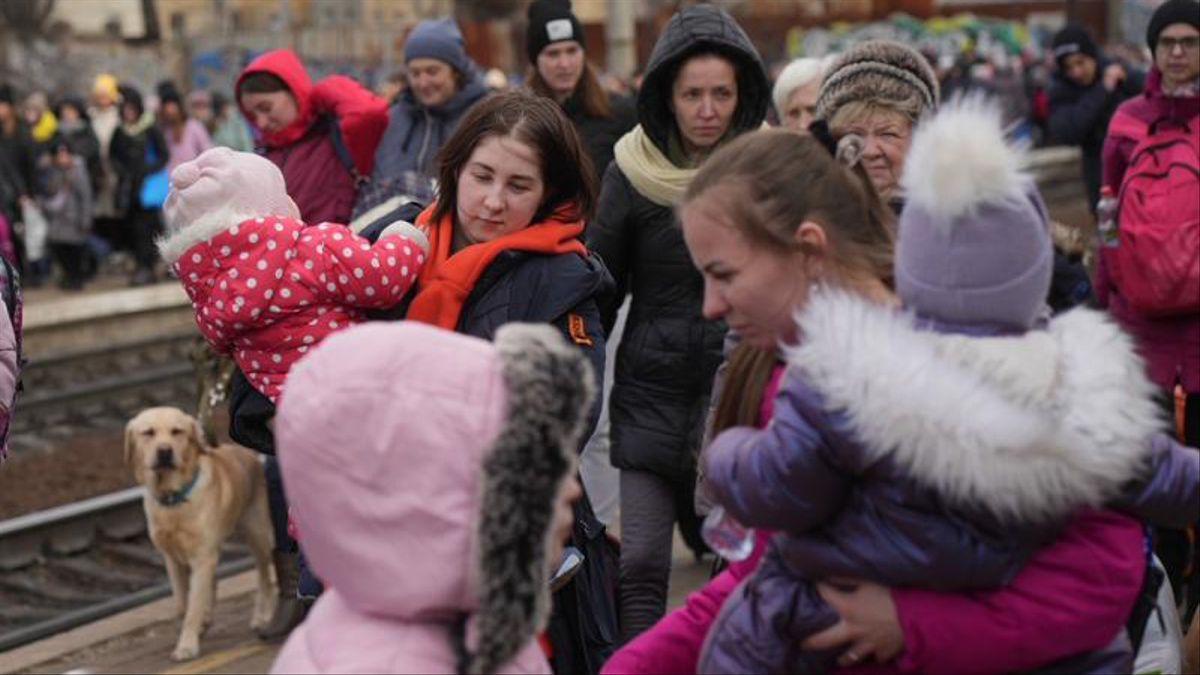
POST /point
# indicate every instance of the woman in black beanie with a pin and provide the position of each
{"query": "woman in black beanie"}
(556, 46)
(1171, 100)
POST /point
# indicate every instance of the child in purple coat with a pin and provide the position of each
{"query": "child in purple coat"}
(938, 448)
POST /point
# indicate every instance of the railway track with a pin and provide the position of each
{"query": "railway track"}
(68, 566)
(95, 362)
(101, 387)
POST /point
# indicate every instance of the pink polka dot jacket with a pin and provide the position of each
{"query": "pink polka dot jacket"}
(269, 289)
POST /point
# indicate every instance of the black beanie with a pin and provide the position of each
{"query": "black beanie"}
(168, 93)
(1172, 11)
(133, 97)
(550, 21)
(1073, 40)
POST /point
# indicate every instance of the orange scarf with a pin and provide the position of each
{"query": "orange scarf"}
(447, 279)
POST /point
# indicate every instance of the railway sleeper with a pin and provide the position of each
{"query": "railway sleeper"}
(38, 585)
(92, 570)
(16, 614)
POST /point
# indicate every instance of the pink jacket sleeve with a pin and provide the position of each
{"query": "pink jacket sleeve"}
(1071, 598)
(357, 273)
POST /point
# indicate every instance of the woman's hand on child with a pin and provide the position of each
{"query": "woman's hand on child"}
(869, 628)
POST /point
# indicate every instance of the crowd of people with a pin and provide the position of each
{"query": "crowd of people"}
(497, 346)
(81, 180)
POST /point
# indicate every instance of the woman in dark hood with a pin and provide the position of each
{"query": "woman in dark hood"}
(704, 84)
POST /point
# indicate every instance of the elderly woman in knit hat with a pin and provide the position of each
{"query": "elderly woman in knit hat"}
(443, 83)
(879, 90)
(796, 90)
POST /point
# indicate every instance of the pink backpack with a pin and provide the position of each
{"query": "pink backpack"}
(1156, 267)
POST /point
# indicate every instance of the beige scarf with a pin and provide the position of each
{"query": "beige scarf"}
(649, 170)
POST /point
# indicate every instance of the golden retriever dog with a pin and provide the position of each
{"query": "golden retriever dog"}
(196, 497)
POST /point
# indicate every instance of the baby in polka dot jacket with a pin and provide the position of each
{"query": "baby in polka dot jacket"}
(267, 287)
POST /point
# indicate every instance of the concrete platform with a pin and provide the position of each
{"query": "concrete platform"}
(141, 640)
(81, 308)
(68, 323)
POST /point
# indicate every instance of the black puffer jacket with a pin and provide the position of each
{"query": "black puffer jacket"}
(135, 154)
(669, 352)
(600, 134)
(1080, 115)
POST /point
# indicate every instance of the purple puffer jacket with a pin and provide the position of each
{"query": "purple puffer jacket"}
(913, 457)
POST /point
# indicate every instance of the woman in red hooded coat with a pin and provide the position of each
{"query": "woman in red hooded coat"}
(322, 136)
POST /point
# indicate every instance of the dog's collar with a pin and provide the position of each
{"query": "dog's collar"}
(177, 497)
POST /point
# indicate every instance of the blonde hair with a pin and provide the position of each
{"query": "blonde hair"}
(910, 108)
(787, 179)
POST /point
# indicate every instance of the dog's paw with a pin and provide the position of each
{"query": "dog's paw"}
(185, 651)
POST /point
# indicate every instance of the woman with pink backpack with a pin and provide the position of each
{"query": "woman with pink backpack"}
(1148, 270)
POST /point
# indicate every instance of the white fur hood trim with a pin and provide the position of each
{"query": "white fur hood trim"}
(1029, 427)
(174, 244)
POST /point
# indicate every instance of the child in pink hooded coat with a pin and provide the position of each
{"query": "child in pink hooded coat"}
(266, 286)
(426, 468)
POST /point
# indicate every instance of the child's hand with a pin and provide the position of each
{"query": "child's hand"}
(406, 229)
(869, 628)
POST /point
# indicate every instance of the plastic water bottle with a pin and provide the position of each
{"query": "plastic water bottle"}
(729, 538)
(1106, 216)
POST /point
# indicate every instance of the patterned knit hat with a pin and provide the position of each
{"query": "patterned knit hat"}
(878, 70)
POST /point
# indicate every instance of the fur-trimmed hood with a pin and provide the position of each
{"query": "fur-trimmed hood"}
(1028, 427)
(423, 466)
(173, 245)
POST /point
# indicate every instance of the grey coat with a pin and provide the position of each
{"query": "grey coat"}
(68, 204)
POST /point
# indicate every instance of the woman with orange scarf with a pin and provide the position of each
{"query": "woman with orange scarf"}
(506, 244)
(505, 234)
